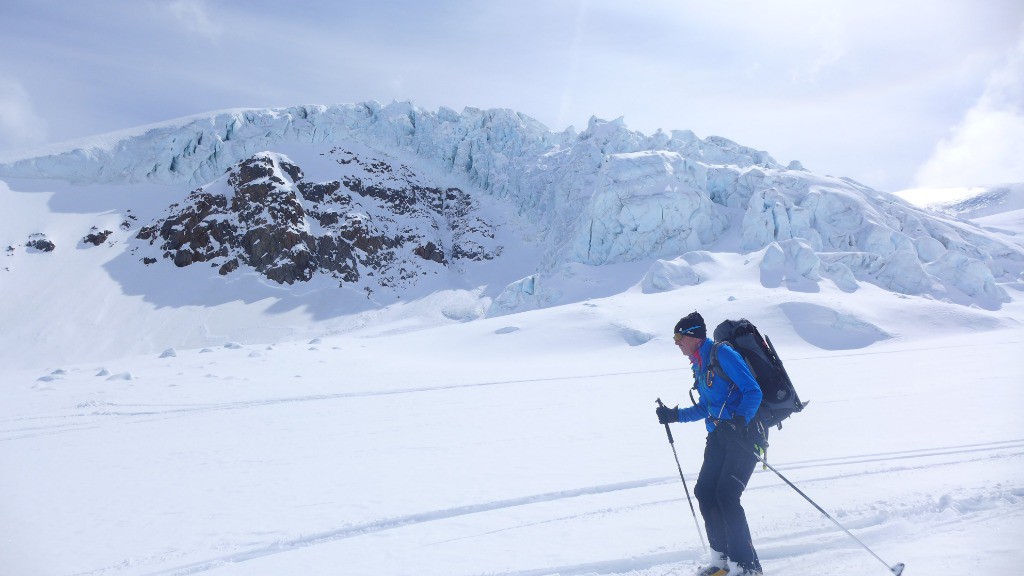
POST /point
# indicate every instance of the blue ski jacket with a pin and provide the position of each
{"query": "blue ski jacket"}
(720, 400)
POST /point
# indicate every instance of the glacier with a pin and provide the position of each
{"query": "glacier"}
(604, 195)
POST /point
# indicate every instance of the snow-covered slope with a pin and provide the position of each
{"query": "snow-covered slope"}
(524, 444)
(998, 210)
(181, 398)
(540, 216)
(968, 202)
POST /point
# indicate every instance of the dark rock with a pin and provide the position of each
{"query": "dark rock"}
(378, 224)
(430, 252)
(147, 232)
(229, 267)
(127, 224)
(182, 258)
(39, 242)
(95, 237)
(319, 192)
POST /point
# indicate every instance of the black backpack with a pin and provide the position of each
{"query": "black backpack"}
(779, 398)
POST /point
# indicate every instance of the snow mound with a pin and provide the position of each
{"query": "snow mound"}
(121, 376)
(831, 329)
(666, 275)
(670, 275)
(634, 337)
(523, 294)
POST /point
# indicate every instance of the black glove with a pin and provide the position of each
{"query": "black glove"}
(667, 415)
(739, 424)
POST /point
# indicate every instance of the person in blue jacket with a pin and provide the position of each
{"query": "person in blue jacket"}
(727, 410)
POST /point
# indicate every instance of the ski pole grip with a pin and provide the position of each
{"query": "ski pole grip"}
(668, 430)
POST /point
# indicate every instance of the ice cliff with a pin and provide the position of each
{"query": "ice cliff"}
(601, 196)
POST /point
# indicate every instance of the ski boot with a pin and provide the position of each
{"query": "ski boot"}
(718, 565)
(752, 569)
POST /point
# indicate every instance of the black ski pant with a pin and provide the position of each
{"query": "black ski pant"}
(728, 463)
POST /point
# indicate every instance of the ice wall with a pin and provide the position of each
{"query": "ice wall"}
(604, 195)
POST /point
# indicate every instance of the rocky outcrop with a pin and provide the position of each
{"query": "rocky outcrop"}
(96, 237)
(378, 224)
(38, 241)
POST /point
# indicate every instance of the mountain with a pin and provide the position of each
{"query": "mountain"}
(376, 340)
(972, 203)
(378, 220)
(353, 208)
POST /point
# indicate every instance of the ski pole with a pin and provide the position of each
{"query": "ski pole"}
(672, 443)
(896, 569)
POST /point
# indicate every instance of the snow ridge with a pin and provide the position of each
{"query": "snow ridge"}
(603, 196)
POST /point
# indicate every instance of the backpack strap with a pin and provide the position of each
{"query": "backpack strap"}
(714, 366)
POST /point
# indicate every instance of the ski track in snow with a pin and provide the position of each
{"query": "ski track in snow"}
(872, 520)
(399, 522)
(152, 412)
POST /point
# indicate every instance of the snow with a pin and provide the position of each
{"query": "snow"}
(516, 444)
(165, 421)
(523, 444)
(608, 195)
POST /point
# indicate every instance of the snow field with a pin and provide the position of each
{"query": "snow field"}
(483, 449)
(174, 423)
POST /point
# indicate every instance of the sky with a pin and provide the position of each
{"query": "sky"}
(892, 94)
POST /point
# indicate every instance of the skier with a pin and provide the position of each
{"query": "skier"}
(729, 456)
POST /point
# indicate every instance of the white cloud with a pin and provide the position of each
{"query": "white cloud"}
(987, 147)
(828, 38)
(193, 16)
(567, 99)
(20, 126)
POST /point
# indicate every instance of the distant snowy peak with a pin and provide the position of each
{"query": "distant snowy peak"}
(968, 202)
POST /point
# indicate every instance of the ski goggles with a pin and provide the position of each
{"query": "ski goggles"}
(678, 335)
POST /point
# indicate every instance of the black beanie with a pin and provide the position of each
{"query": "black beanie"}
(692, 325)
